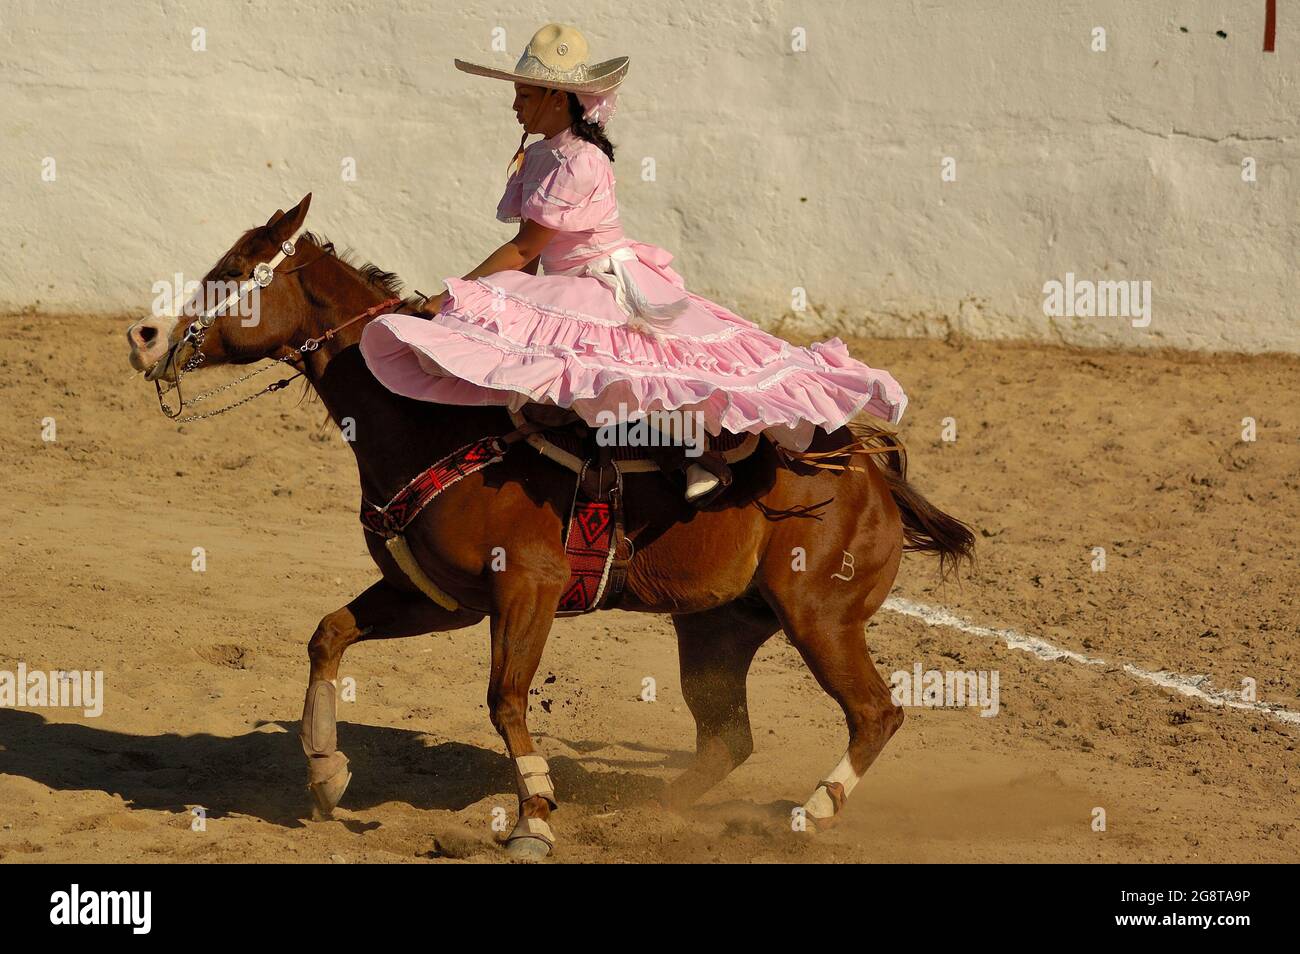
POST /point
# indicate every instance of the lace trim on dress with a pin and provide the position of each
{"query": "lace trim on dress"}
(622, 362)
(681, 353)
(559, 351)
(556, 200)
(787, 432)
(497, 290)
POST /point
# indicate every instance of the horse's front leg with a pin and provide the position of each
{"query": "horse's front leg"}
(381, 612)
(523, 610)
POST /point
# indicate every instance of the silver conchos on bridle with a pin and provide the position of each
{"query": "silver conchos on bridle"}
(263, 274)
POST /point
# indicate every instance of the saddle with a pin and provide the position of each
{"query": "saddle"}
(597, 548)
(561, 436)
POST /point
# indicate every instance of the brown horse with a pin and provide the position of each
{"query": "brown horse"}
(812, 552)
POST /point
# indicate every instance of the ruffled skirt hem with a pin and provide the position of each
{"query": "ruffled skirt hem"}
(739, 378)
(512, 338)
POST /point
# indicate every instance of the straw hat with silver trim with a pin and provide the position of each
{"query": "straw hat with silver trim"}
(556, 58)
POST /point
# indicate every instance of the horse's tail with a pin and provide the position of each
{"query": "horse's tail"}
(926, 528)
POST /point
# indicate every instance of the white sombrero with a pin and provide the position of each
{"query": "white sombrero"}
(556, 58)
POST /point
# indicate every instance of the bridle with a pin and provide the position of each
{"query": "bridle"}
(262, 275)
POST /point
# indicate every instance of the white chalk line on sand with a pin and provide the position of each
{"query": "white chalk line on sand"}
(1198, 687)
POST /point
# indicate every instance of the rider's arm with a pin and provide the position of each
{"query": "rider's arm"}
(516, 254)
(521, 253)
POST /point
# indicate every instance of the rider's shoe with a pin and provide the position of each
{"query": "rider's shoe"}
(699, 482)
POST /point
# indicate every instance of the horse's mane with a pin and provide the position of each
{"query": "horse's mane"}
(387, 282)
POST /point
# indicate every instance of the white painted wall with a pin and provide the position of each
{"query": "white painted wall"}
(775, 169)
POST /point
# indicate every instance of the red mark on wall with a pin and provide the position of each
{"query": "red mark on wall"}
(1270, 24)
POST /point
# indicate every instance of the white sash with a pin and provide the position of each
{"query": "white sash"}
(610, 271)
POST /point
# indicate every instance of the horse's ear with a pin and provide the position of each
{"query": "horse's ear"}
(270, 223)
(285, 224)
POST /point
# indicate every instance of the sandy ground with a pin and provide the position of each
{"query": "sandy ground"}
(1057, 452)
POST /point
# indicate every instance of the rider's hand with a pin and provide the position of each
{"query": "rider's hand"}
(433, 305)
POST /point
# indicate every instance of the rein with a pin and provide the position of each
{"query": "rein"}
(262, 275)
(308, 346)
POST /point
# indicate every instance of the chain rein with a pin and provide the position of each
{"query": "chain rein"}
(262, 275)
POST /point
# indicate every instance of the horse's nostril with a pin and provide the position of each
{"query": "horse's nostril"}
(147, 334)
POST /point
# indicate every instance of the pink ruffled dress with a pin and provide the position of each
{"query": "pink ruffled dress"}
(610, 327)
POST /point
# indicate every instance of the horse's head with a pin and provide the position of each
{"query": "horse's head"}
(248, 307)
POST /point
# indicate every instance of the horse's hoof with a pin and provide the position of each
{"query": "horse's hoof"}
(326, 795)
(531, 840)
(825, 805)
(527, 848)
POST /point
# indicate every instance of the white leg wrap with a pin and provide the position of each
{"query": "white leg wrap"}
(533, 776)
(821, 805)
(319, 732)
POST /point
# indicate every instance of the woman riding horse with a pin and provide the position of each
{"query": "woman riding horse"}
(609, 327)
(813, 552)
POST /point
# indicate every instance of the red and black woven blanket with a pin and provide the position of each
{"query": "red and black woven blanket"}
(589, 541)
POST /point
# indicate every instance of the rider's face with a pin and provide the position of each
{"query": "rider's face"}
(536, 108)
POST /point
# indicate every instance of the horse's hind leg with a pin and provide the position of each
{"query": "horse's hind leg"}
(381, 612)
(832, 641)
(715, 649)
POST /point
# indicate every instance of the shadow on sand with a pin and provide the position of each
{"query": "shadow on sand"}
(262, 773)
